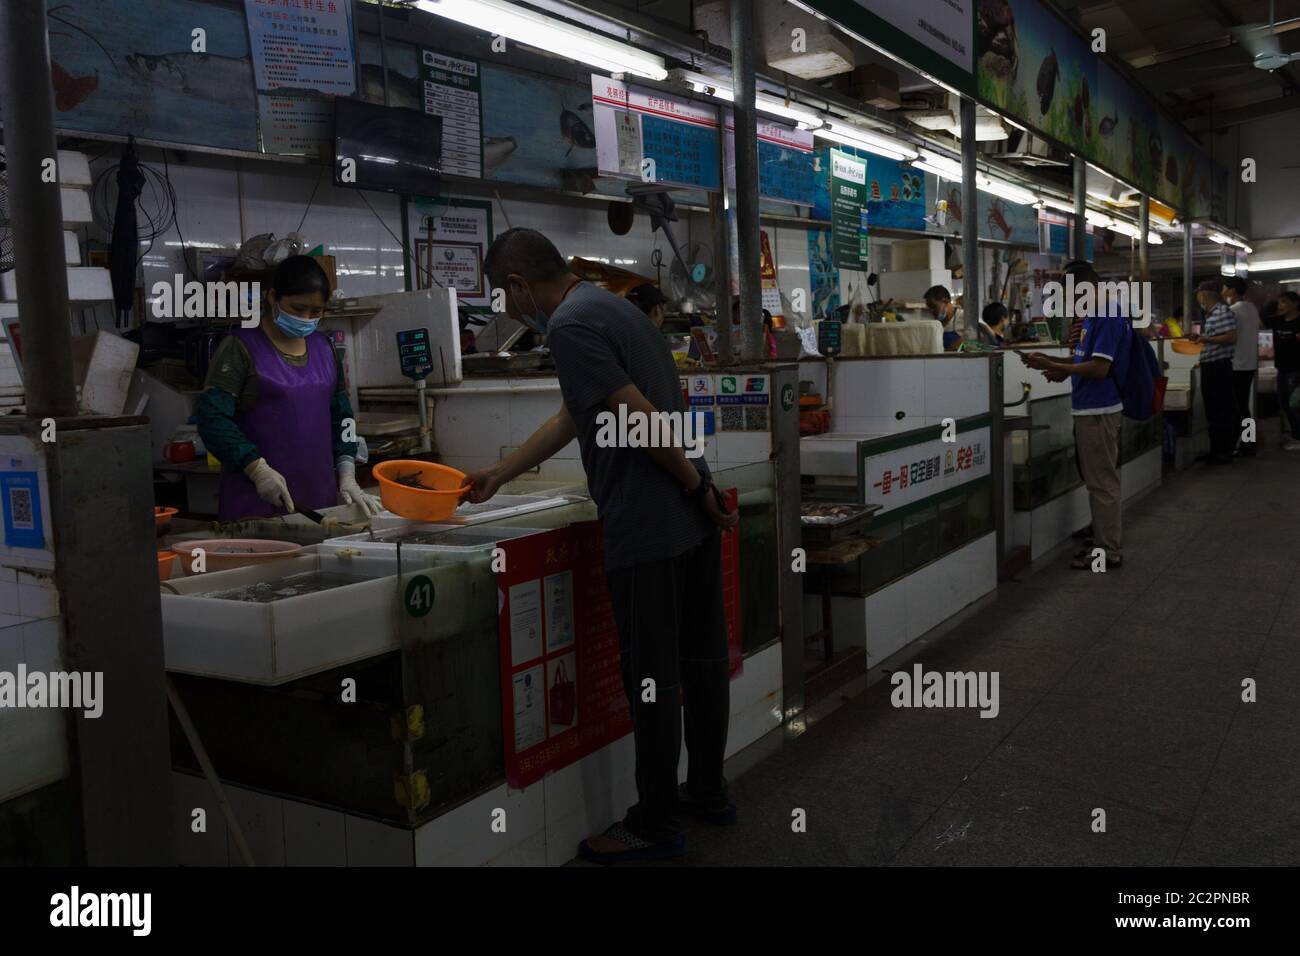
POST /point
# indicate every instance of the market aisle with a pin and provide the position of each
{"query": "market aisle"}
(1119, 691)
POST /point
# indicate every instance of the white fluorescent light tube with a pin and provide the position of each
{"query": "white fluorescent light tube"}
(544, 33)
(770, 104)
(1053, 203)
(1274, 265)
(1006, 190)
(1219, 238)
(941, 172)
(762, 101)
(1154, 238)
(1097, 219)
(872, 142)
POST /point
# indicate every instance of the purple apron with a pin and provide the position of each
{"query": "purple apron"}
(290, 425)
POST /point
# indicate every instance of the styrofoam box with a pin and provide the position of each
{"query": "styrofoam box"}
(74, 168)
(71, 248)
(76, 206)
(469, 538)
(85, 284)
(103, 364)
(285, 639)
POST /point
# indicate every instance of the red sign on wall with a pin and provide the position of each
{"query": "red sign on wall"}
(561, 675)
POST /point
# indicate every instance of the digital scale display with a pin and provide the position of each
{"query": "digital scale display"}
(413, 353)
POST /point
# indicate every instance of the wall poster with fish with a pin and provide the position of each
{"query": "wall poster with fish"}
(822, 274)
(1127, 133)
(895, 191)
(127, 66)
(997, 219)
(1037, 68)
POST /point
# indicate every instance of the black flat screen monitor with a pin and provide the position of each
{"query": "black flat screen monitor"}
(396, 149)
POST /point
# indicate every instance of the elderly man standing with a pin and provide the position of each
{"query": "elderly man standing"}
(1219, 334)
(1245, 356)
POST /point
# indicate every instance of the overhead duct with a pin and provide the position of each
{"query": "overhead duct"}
(824, 51)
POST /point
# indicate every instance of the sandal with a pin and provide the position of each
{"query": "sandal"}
(636, 849)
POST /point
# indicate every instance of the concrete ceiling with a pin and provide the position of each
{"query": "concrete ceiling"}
(1185, 53)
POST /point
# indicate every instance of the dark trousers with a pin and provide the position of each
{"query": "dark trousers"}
(1243, 387)
(1220, 407)
(1287, 382)
(672, 628)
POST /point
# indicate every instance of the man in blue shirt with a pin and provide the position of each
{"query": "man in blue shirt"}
(1097, 363)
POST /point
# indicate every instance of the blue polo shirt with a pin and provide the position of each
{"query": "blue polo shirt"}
(1103, 337)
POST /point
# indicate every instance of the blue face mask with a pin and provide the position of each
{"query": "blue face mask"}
(294, 326)
(538, 320)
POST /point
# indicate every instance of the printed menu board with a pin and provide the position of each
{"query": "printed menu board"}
(452, 91)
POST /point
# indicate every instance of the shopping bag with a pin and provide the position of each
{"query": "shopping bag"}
(564, 697)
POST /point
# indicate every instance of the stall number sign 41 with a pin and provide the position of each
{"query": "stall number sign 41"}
(413, 351)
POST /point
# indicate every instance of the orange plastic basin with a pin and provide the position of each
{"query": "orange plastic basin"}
(162, 517)
(443, 489)
(166, 563)
(1184, 347)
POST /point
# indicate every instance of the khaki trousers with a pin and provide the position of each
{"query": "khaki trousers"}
(1097, 440)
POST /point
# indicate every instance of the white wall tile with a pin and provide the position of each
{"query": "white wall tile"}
(314, 836)
(463, 836)
(377, 844)
(261, 819)
(209, 848)
(587, 796)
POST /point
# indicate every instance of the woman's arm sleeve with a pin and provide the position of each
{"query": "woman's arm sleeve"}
(221, 436)
(217, 406)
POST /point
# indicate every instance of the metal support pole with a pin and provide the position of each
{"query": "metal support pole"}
(746, 138)
(722, 267)
(1188, 293)
(970, 233)
(1144, 250)
(1080, 231)
(27, 102)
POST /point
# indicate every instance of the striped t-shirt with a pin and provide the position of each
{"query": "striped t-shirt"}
(1220, 321)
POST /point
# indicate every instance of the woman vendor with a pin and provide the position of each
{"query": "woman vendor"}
(274, 405)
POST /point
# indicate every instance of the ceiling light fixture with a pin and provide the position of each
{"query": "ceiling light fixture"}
(546, 33)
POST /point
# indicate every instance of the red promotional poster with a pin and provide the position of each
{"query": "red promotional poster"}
(562, 684)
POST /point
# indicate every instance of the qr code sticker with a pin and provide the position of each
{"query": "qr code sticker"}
(756, 419)
(733, 419)
(20, 508)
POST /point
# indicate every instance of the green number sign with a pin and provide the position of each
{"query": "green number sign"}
(419, 596)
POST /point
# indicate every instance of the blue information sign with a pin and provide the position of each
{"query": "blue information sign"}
(682, 152)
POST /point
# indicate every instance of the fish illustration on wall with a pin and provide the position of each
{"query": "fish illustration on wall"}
(403, 90)
(496, 150)
(71, 91)
(1107, 124)
(574, 129)
(995, 25)
(226, 80)
(1047, 75)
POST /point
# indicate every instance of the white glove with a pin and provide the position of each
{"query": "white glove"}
(270, 484)
(350, 492)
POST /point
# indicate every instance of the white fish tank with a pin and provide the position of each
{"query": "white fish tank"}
(277, 622)
(425, 539)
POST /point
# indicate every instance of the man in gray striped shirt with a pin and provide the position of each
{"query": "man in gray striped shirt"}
(660, 516)
(1219, 333)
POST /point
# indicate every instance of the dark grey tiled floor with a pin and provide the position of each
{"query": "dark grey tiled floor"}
(1119, 692)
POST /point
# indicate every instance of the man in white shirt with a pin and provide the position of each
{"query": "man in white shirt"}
(1245, 359)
